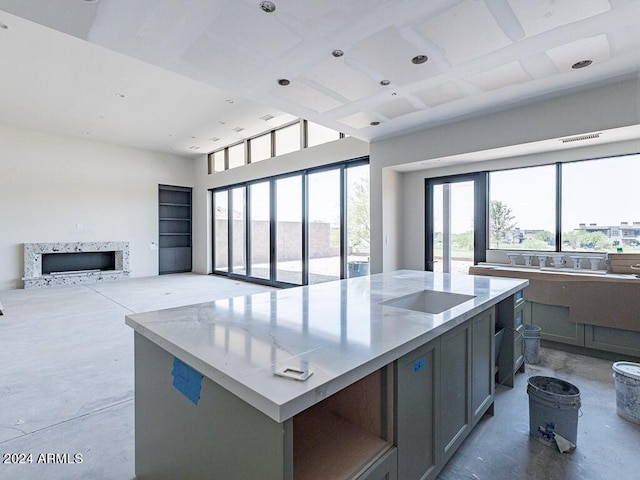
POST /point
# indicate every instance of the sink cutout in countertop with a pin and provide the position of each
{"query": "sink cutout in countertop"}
(429, 301)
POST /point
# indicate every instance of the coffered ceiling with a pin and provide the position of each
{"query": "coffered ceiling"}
(181, 75)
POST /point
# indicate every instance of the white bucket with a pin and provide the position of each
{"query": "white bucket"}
(531, 343)
(627, 377)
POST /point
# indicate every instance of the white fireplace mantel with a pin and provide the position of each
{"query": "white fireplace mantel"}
(34, 278)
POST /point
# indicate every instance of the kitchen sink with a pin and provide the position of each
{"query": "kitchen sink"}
(429, 301)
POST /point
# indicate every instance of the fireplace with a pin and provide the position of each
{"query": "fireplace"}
(54, 264)
(77, 262)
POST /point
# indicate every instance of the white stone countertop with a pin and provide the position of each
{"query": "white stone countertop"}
(338, 330)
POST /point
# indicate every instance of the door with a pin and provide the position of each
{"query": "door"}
(455, 223)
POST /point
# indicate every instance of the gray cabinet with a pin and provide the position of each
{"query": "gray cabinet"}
(555, 324)
(511, 316)
(418, 378)
(346, 436)
(556, 327)
(482, 351)
(443, 389)
(174, 226)
(614, 340)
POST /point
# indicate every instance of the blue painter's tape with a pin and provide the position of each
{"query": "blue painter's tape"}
(186, 380)
(419, 364)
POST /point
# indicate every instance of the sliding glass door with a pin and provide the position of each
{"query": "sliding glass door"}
(302, 228)
(456, 223)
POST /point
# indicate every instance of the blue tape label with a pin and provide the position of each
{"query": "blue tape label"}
(419, 364)
(186, 380)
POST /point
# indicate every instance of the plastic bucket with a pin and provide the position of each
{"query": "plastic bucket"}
(627, 378)
(553, 408)
(531, 343)
(358, 269)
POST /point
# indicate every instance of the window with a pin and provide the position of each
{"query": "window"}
(221, 230)
(324, 226)
(300, 228)
(318, 134)
(236, 155)
(288, 139)
(522, 208)
(238, 218)
(600, 209)
(259, 213)
(216, 161)
(358, 218)
(289, 229)
(260, 147)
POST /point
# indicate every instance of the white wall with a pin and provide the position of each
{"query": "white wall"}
(602, 108)
(60, 189)
(339, 150)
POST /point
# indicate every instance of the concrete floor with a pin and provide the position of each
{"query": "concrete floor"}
(66, 387)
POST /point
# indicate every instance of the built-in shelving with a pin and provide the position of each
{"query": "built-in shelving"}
(174, 216)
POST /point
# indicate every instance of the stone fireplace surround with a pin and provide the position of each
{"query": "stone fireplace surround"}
(34, 278)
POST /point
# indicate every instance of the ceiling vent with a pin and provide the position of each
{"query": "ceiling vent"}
(579, 138)
(266, 117)
(238, 129)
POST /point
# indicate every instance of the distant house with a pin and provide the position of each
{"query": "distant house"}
(623, 234)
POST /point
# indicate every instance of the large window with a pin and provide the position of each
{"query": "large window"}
(259, 214)
(221, 230)
(581, 206)
(238, 218)
(289, 229)
(324, 226)
(522, 208)
(296, 229)
(358, 220)
(600, 207)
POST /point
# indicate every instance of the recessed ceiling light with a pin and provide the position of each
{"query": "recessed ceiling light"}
(375, 123)
(238, 129)
(194, 147)
(337, 53)
(229, 101)
(267, 117)
(4, 26)
(419, 59)
(581, 64)
(384, 83)
(284, 82)
(268, 7)
(214, 139)
(120, 95)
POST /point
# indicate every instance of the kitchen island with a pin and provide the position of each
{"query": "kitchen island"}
(372, 377)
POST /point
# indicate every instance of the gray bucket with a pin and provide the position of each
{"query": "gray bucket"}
(627, 378)
(553, 408)
(531, 343)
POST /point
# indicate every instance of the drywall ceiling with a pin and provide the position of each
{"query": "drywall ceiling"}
(192, 71)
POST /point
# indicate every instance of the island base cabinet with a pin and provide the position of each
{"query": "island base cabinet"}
(417, 375)
(220, 437)
(347, 436)
(443, 389)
